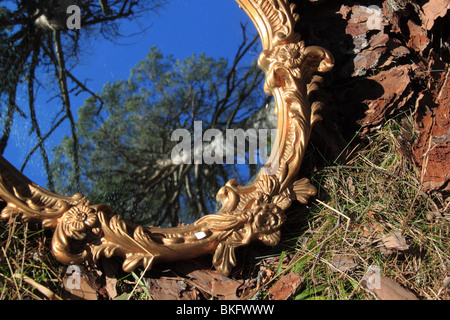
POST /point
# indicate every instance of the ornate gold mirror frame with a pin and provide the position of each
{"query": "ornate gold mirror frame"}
(256, 211)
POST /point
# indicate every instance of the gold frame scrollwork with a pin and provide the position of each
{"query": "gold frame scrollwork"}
(256, 211)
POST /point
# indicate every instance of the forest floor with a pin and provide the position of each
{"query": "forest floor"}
(379, 225)
(370, 233)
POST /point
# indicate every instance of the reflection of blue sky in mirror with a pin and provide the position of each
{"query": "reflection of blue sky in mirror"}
(181, 28)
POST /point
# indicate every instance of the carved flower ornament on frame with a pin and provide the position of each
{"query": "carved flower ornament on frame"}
(256, 211)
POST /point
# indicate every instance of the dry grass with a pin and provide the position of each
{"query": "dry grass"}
(376, 191)
(28, 269)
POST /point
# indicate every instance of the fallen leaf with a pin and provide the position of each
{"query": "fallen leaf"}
(215, 284)
(387, 289)
(227, 289)
(394, 240)
(111, 287)
(169, 289)
(343, 262)
(210, 282)
(80, 284)
(286, 286)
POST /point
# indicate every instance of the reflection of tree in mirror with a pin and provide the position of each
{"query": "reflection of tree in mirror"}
(34, 41)
(125, 143)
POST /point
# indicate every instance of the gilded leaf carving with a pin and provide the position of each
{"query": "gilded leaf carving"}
(251, 212)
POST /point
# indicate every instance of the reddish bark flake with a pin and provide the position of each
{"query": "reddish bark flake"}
(432, 10)
(395, 83)
(432, 147)
(418, 39)
(286, 286)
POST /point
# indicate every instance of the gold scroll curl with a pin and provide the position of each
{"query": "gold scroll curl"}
(256, 211)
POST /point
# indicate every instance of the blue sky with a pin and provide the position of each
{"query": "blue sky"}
(181, 28)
